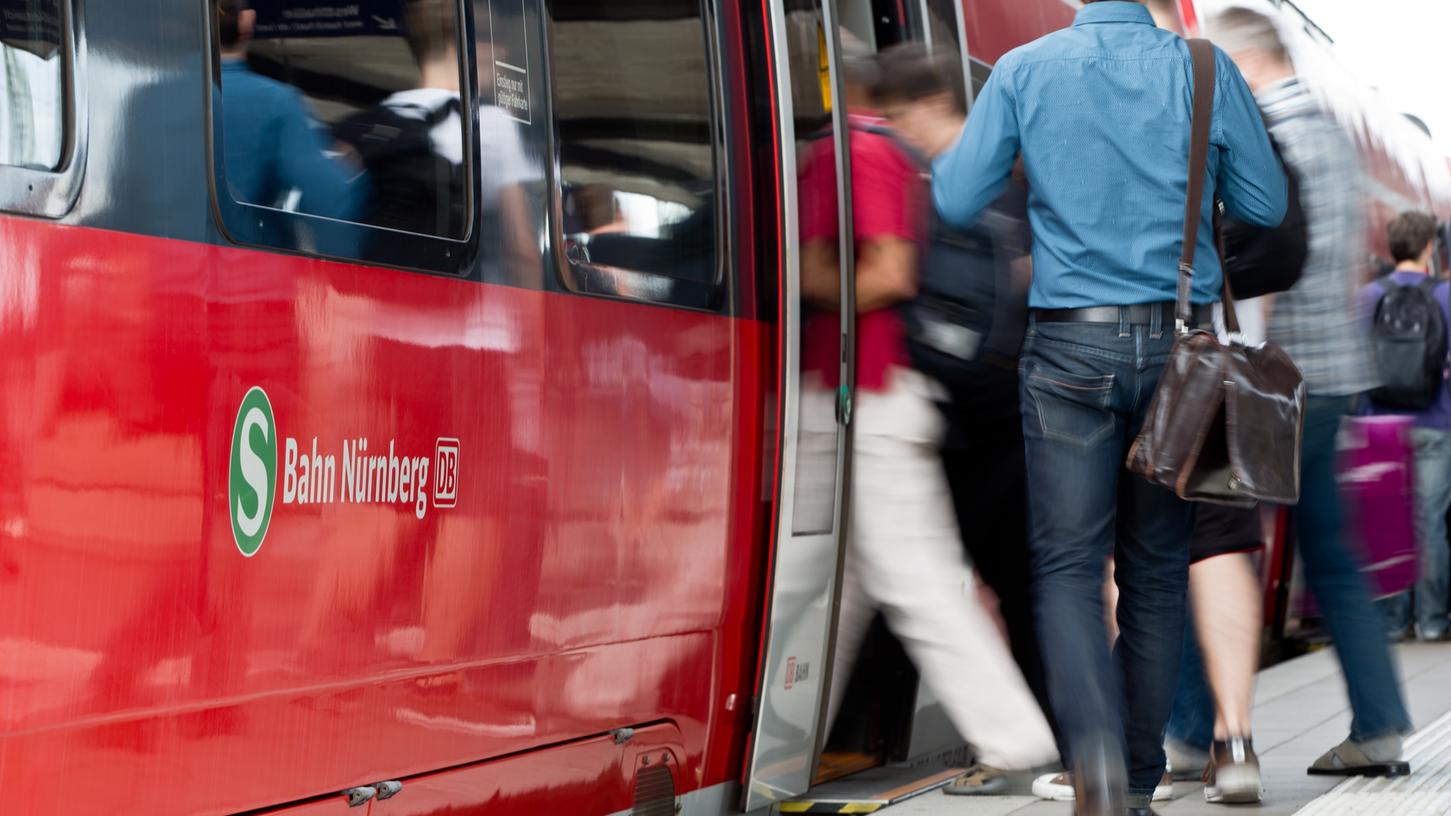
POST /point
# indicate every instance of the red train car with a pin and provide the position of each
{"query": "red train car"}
(491, 503)
(481, 504)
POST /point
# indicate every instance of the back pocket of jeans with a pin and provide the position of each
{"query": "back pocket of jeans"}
(1072, 407)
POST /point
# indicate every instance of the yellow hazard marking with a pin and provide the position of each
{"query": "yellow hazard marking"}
(831, 807)
(823, 67)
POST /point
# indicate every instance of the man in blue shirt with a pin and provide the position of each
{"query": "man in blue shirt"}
(271, 147)
(1100, 114)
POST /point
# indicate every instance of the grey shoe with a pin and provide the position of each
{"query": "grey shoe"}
(1377, 757)
(979, 780)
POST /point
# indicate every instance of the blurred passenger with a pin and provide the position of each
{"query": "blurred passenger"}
(1319, 323)
(504, 170)
(412, 142)
(1215, 692)
(977, 280)
(1411, 347)
(1107, 218)
(904, 555)
(272, 146)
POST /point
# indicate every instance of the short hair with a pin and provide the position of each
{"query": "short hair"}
(1409, 234)
(1238, 28)
(229, 22)
(859, 63)
(912, 71)
(431, 28)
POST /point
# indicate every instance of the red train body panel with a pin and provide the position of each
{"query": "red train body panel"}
(597, 567)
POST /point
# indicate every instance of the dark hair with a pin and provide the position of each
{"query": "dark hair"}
(911, 71)
(1409, 234)
(229, 24)
(430, 26)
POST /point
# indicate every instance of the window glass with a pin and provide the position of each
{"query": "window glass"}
(32, 95)
(350, 110)
(632, 101)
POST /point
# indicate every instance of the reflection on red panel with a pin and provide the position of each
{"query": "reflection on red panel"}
(591, 776)
(995, 27)
(583, 556)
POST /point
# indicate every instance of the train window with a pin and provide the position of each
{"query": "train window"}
(636, 146)
(345, 114)
(32, 111)
(40, 157)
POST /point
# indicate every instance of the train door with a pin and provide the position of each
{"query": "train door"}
(818, 365)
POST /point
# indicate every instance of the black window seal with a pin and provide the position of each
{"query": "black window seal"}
(52, 193)
(599, 280)
(336, 239)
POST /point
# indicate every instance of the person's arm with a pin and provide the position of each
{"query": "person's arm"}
(303, 164)
(821, 272)
(886, 272)
(971, 174)
(1251, 181)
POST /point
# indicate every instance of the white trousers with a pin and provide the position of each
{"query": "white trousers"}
(904, 557)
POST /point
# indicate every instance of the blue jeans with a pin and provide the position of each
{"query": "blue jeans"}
(1333, 574)
(1433, 561)
(1192, 720)
(1085, 390)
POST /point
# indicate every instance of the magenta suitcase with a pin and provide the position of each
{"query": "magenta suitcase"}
(1376, 472)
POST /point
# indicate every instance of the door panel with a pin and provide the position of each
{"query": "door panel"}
(817, 368)
(818, 361)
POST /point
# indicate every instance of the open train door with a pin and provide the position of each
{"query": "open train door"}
(816, 397)
(817, 341)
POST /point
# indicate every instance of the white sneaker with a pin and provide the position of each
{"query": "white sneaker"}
(1058, 787)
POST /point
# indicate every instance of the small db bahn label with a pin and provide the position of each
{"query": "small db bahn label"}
(445, 466)
(359, 472)
(796, 673)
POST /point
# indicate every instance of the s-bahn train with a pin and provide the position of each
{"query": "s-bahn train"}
(485, 504)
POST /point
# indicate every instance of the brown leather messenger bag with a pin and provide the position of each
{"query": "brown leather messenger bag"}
(1225, 423)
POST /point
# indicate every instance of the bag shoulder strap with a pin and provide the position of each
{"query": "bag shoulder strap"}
(1205, 76)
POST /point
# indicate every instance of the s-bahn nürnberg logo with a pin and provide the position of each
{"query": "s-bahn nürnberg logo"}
(377, 476)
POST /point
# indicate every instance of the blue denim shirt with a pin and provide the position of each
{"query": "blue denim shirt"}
(1100, 113)
(272, 146)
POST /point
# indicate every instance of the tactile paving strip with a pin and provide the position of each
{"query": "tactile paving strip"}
(1426, 792)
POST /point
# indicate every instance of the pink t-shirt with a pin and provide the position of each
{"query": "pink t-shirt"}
(888, 200)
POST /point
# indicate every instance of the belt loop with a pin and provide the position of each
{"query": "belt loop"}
(1123, 321)
(1156, 323)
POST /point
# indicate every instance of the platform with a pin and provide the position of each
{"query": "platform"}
(1300, 711)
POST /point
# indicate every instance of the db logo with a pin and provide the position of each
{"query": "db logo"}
(445, 469)
(796, 673)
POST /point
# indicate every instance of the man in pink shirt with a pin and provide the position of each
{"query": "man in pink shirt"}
(904, 555)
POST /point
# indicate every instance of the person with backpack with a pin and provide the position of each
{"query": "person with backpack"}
(412, 142)
(1317, 321)
(964, 328)
(903, 552)
(1410, 318)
